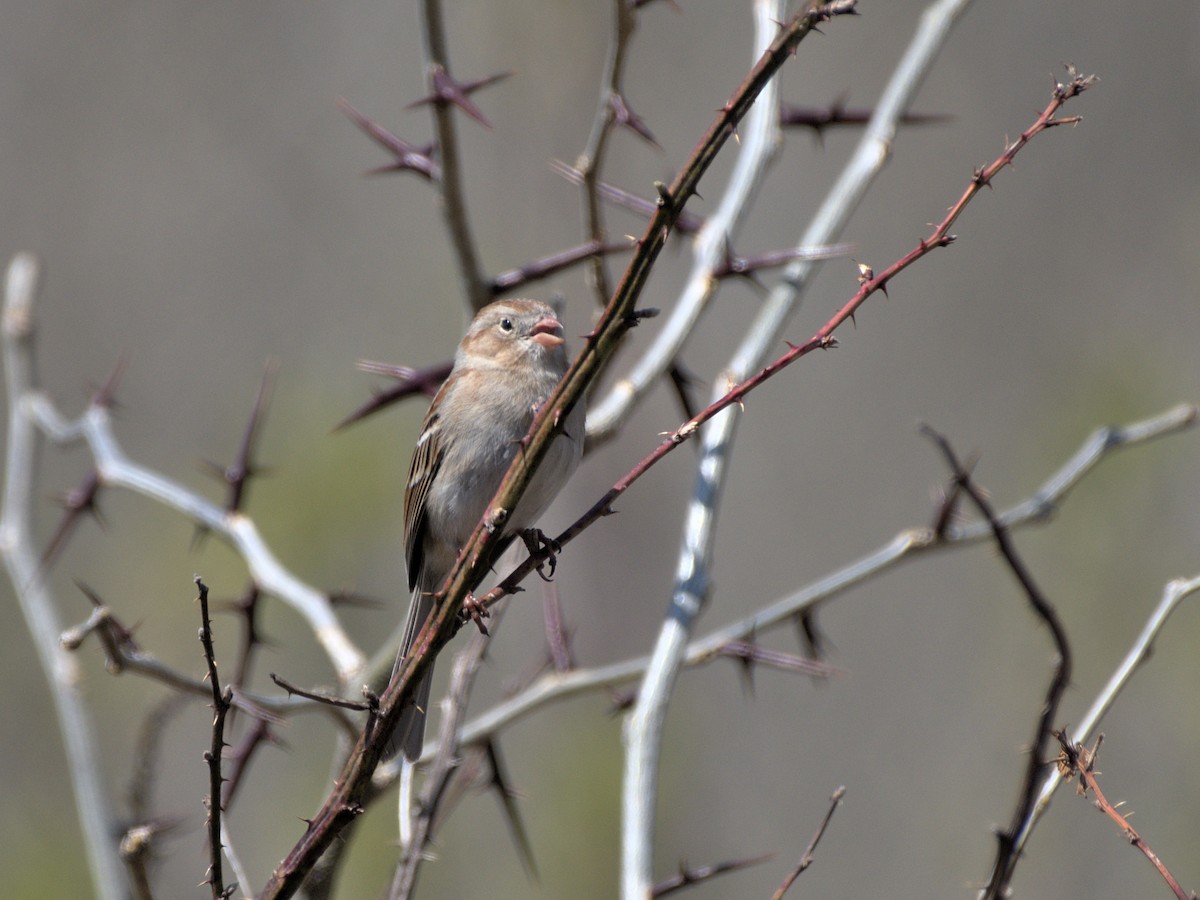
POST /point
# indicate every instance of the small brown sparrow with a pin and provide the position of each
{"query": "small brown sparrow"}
(507, 365)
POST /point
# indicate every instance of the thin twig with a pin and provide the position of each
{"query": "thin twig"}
(117, 470)
(235, 862)
(820, 119)
(1174, 593)
(688, 877)
(643, 728)
(733, 395)
(220, 704)
(557, 637)
(320, 696)
(591, 160)
(122, 654)
(257, 736)
(759, 144)
(238, 473)
(553, 264)
(454, 203)
(1006, 858)
(139, 842)
(687, 223)
(1078, 761)
(441, 768)
(1037, 508)
(807, 857)
(409, 382)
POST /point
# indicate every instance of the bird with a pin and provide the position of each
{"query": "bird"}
(506, 366)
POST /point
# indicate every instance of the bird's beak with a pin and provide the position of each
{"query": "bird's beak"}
(548, 332)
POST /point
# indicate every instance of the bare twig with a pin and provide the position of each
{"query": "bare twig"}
(591, 159)
(685, 224)
(760, 142)
(76, 503)
(139, 843)
(220, 704)
(553, 264)
(909, 543)
(254, 738)
(123, 654)
(1174, 593)
(235, 861)
(450, 91)
(407, 157)
(137, 846)
(1005, 857)
(557, 637)
(688, 877)
(117, 470)
(1076, 760)
(806, 858)
(836, 114)
(454, 202)
(508, 795)
(643, 731)
(409, 382)
(750, 654)
(320, 696)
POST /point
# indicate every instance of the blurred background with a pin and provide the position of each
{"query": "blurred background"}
(197, 200)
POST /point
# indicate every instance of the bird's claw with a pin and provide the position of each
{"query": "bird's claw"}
(474, 611)
(536, 541)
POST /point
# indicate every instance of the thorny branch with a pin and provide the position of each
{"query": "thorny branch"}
(445, 94)
(1076, 760)
(591, 160)
(1044, 610)
(910, 543)
(1174, 594)
(417, 824)
(344, 803)
(822, 339)
(221, 700)
(617, 112)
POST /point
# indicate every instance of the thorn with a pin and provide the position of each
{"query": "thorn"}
(406, 156)
(627, 118)
(76, 503)
(410, 381)
(685, 223)
(238, 473)
(105, 396)
(508, 798)
(448, 90)
(551, 265)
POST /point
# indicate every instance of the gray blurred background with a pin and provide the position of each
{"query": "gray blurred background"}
(195, 195)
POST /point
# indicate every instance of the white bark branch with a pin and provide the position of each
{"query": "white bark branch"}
(645, 725)
(25, 571)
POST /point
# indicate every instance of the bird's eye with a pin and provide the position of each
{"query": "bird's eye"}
(506, 324)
